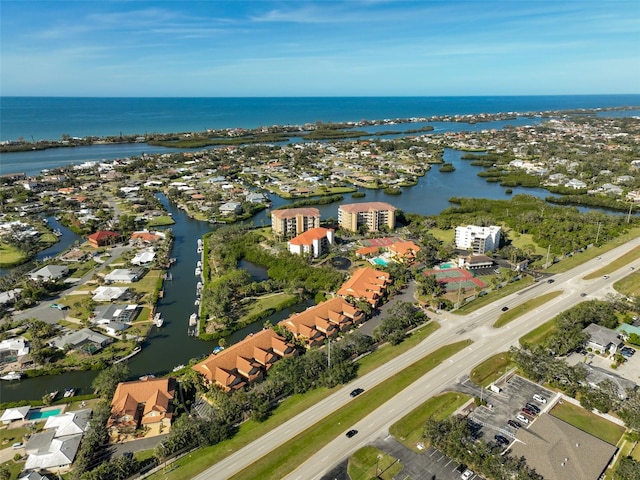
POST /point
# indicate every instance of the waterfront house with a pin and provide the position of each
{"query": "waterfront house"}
(85, 340)
(146, 403)
(366, 284)
(108, 293)
(124, 275)
(11, 349)
(245, 362)
(103, 238)
(49, 272)
(322, 321)
(16, 414)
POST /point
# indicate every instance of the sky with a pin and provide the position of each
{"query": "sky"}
(318, 48)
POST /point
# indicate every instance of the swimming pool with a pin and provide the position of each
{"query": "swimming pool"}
(40, 414)
(380, 261)
(444, 266)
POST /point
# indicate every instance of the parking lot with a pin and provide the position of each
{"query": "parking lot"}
(629, 370)
(506, 405)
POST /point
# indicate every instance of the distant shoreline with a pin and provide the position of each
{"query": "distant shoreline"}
(279, 133)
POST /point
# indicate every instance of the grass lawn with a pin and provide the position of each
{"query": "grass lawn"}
(161, 221)
(540, 334)
(369, 462)
(266, 302)
(491, 369)
(619, 262)
(14, 468)
(521, 240)
(446, 236)
(495, 295)
(525, 307)
(309, 441)
(581, 257)
(588, 422)
(409, 429)
(636, 452)
(629, 286)
(10, 255)
(9, 436)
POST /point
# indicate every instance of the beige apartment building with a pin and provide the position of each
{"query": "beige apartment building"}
(290, 222)
(372, 214)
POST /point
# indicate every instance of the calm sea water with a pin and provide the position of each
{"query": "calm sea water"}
(36, 118)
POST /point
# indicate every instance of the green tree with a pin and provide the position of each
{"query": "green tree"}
(107, 380)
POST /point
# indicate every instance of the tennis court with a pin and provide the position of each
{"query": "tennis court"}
(453, 279)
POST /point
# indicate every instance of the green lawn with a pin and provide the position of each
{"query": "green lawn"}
(491, 369)
(10, 255)
(619, 262)
(160, 221)
(445, 236)
(409, 429)
(629, 286)
(495, 295)
(588, 422)
(266, 302)
(369, 462)
(521, 240)
(525, 307)
(540, 334)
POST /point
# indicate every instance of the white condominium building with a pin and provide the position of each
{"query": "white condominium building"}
(479, 240)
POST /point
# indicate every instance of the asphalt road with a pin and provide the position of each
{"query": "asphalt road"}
(476, 326)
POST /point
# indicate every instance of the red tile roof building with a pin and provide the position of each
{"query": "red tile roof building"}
(246, 361)
(325, 320)
(315, 242)
(142, 403)
(372, 214)
(366, 284)
(102, 238)
(289, 222)
(404, 251)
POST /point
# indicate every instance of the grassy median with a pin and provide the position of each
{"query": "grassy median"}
(286, 458)
(525, 307)
(491, 369)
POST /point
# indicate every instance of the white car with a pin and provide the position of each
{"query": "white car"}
(466, 475)
(522, 418)
(539, 398)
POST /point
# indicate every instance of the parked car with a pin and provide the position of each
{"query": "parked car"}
(58, 306)
(356, 392)
(531, 413)
(532, 407)
(627, 352)
(514, 424)
(539, 398)
(467, 474)
(501, 439)
(351, 433)
(522, 418)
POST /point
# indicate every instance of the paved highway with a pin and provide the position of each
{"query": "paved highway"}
(476, 326)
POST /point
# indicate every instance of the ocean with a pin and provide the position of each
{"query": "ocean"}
(49, 118)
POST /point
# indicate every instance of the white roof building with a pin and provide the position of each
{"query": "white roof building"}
(144, 257)
(50, 272)
(107, 294)
(478, 239)
(13, 414)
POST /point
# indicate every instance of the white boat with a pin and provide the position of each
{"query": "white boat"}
(69, 392)
(199, 264)
(179, 367)
(11, 376)
(193, 319)
(197, 302)
(53, 395)
(158, 320)
(217, 350)
(198, 271)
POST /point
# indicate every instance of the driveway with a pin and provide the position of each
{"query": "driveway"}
(406, 295)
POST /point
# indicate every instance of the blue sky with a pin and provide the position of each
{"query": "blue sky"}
(318, 48)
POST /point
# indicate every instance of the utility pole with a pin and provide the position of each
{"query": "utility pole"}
(629, 214)
(329, 353)
(598, 234)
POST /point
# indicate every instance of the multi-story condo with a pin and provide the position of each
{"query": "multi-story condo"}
(372, 214)
(290, 222)
(479, 240)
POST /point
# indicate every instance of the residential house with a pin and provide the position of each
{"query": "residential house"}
(366, 284)
(230, 208)
(11, 349)
(57, 445)
(373, 215)
(49, 272)
(601, 339)
(108, 293)
(144, 257)
(74, 255)
(142, 403)
(16, 414)
(146, 237)
(246, 361)
(125, 275)
(103, 238)
(289, 222)
(314, 242)
(325, 320)
(85, 340)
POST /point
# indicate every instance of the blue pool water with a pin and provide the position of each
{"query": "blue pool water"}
(380, 261)
(39, 414)
(447, 265)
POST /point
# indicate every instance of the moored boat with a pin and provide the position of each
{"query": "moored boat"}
(158, 320)
(193, 319)
(69, 392)
(11, 376)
